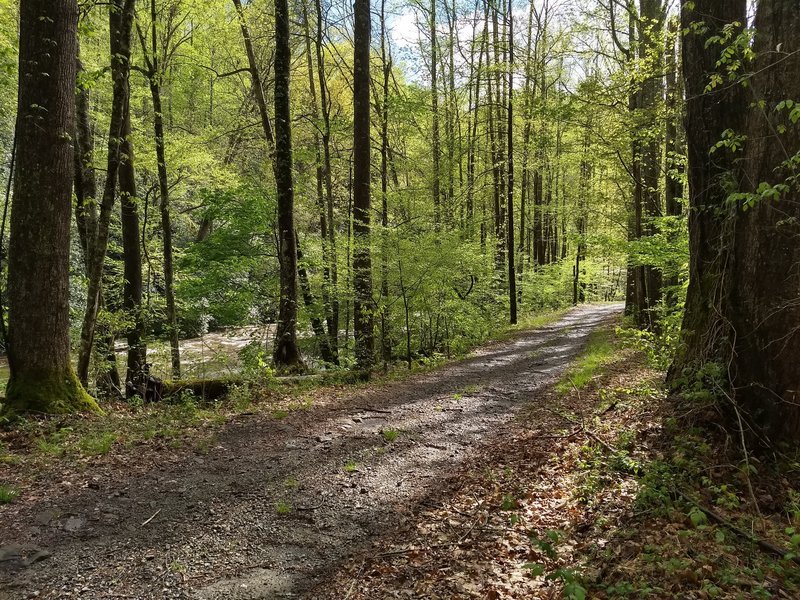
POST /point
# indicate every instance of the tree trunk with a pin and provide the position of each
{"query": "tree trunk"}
(437, 201)
(85, 179)
(308, 299)
(324, 344)
(286, 354)
(255, 75)
(362, 260)
(651, 26)
(510, 246)
(42, 379)
(709, 113)
(386, 61)
(132, 287)
(333, 317)
(121, 23)
(763, 308)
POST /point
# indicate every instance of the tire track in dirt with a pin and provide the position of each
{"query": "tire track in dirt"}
(342, 474)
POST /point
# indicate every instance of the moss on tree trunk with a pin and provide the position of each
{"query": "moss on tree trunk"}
(54, 392)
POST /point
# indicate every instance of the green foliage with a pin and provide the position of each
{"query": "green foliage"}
(599, 351)
(96, 444)
(8, 494)
(390, 435)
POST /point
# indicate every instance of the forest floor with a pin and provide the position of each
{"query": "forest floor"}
(531, 469)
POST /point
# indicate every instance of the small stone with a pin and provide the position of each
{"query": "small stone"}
(74, 524)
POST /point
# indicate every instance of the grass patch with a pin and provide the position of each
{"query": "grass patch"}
(599, 351)
(350, 466)
(97, 443)
(8, 494)
(390, 435)
(283, 507)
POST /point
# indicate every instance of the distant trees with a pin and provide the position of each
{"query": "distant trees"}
(211, 218)
(42, 377)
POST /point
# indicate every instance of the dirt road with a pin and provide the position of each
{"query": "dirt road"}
(275, 505)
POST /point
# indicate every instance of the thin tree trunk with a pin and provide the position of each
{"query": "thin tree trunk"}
(121, 22)
(308, 299)
(324, 342)
(255, 75)
(386, 60)
(510, 246)
(132, 287)
(286, 354)
(437, 201)
(333, 317)
(85, 179)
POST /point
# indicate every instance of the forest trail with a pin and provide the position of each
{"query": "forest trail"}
(211, 526)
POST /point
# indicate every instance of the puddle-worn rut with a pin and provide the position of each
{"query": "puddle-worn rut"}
(209, 527)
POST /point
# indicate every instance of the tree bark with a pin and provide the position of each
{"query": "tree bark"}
(286, 354)
(510, 246)
(763, 308)
(42, 379)
(121, 17)
(85, 179)
(437, 200)
(333, 317)
(709, 113)
(324, 341)
(386, 62)
(132, 268)
(362, 259)
(255, 75)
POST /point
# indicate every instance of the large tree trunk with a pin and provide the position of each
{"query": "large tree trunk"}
(763, 310)
(42, 379)
(709, 113)
(121, 18)
(286, 354)
(362, 261)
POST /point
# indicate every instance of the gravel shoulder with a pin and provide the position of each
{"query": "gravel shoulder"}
(275, 505)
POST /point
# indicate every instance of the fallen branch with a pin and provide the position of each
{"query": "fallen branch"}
(155, 514)
(764, 545)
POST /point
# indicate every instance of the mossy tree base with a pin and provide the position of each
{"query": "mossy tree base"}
(55, 393)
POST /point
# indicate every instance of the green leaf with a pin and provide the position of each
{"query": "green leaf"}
(534, 569)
